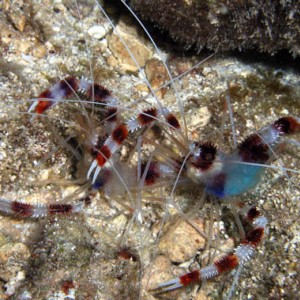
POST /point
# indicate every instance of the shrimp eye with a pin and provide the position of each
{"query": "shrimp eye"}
(208, 157)
(208, 151)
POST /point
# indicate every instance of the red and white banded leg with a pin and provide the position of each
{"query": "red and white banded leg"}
(240, 256)
(69, 86)
(145, 118)
(23, 210)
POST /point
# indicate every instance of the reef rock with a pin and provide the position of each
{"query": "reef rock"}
(264, 25)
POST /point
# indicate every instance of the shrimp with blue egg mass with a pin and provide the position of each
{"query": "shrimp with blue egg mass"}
(131, 169)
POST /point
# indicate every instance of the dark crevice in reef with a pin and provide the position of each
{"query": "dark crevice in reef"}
(281, 60)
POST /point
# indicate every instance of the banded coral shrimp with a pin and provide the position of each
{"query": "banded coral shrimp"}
(101, 222)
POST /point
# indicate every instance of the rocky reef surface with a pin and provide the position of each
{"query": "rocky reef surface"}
(267, 26)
